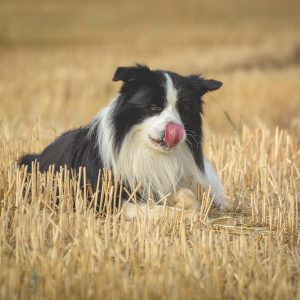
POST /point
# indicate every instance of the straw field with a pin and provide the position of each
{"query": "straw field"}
(56, 64)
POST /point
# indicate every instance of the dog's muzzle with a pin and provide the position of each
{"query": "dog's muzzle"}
(173, 134)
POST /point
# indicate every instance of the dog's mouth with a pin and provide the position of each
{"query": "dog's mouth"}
(173, 135)
(160, 143)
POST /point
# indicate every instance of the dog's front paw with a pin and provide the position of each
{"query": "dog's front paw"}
(222, 203)
(185, 199)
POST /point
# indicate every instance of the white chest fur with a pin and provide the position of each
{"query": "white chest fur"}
(159, 173)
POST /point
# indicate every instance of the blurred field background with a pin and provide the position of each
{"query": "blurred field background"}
(61, 55)
(57, 59)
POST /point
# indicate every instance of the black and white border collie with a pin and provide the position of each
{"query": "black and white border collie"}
(151, 132)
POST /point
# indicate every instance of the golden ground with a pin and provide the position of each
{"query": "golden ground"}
(56, 64)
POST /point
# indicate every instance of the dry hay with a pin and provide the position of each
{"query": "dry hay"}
(49, 250)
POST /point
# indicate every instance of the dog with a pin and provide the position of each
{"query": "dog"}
(151, 132)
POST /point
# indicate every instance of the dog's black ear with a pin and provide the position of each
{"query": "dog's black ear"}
(204, 85)
(212, 84)
(132, 73)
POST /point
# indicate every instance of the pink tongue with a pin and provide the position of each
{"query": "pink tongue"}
(173, 134)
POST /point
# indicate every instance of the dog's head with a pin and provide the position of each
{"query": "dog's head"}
(161, 108)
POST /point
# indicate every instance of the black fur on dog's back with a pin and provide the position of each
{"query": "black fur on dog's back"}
(73, 149)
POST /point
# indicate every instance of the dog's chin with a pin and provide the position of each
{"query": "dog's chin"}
(159, 145)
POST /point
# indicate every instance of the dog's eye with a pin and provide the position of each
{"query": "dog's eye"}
(154, 107)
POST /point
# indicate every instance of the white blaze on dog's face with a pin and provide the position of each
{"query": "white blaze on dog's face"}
(164, 130)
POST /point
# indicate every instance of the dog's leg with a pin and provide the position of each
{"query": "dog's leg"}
(211, 179)
(184, 199)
